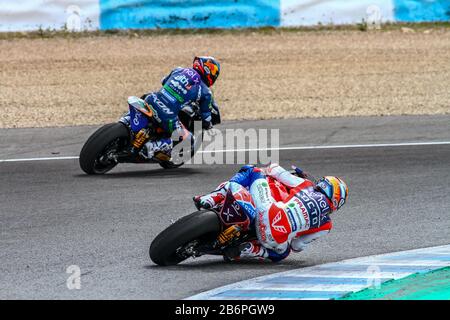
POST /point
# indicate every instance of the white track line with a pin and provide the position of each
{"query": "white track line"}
(343, 146)
(39, 159)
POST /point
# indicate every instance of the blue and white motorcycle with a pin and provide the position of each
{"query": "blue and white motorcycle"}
(118, 142)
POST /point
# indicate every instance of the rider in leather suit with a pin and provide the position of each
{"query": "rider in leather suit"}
(291, 211)
(182, 87)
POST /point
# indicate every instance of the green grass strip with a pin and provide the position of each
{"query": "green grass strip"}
(362, 26)
(434, 285)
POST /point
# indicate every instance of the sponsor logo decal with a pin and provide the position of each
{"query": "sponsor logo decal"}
(228, 214)
(261, 227)
(137, 115)
(193, 75)
(263, 191)
(312, 209)
(291, 210)
(177, 87)
(279, 224)
(305, 216)
(277, 227)
(161, 105)
(168, 95)
(174, 92)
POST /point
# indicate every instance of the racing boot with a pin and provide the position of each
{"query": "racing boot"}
(212, 200)
(160, 149)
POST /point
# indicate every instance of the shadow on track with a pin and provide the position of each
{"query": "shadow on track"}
(167, 173)
(220, 265)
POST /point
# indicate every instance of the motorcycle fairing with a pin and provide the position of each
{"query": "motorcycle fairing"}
(140, 113)
(237, 209)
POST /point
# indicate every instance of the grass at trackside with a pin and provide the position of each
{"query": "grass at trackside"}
(434, 285)
(48, 33)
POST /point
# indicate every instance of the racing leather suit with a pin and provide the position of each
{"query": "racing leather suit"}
(182, 87)
(291, 213)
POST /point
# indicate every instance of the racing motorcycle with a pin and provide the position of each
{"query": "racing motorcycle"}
(210, 232)
(118, 142)
(206, 231)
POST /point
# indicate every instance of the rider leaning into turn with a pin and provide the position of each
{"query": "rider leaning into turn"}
(182, 87)
(291, 211)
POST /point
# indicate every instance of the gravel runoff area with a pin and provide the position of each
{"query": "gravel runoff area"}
(61, 81)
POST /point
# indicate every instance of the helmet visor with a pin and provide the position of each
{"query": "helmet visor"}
(326, 188)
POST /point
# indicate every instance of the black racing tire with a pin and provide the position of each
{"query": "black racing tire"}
(98, 143)
(201, 225)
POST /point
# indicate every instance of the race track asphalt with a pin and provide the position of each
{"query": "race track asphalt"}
(54, 216)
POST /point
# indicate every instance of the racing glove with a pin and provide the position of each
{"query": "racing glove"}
(246, 250)
(254, 250)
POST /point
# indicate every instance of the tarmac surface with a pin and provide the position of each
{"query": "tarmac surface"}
(54, 216)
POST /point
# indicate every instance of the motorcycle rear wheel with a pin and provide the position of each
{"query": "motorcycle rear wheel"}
(201, 226)
(109, 138)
